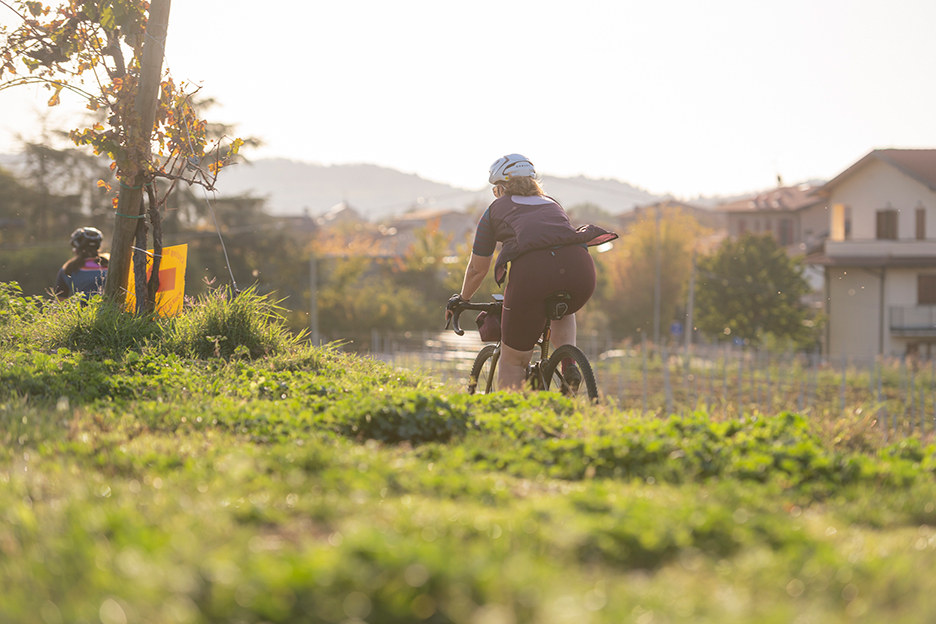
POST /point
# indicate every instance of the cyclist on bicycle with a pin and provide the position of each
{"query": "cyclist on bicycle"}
(545, 254)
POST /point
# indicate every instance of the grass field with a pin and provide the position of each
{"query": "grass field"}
(215, 469)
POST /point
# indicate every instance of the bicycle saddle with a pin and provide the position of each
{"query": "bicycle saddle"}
(557, 305)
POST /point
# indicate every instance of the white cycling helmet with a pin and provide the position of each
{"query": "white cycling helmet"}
(511, 166)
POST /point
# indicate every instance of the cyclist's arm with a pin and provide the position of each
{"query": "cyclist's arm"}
(62, 290)
(474, 274)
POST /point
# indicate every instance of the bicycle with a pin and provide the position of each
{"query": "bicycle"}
(544, 372)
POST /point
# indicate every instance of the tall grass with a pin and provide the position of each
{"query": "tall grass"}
(96, 326)
(221, 325)
(218, 324)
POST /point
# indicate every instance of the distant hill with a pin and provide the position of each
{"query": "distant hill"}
(612, 196)
(292, 187)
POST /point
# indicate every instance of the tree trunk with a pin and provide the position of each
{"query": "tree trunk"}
(129, 198)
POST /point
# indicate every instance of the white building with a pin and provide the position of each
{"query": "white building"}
(880, 257)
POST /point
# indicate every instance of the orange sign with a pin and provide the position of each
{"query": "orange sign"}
(171, 280)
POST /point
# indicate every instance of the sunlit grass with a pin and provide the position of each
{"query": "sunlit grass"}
(221, 324)
(147, 479)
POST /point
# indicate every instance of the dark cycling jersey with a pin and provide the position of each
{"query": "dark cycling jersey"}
(87, 280)
(525, 224)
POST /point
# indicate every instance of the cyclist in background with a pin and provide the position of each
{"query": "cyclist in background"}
(545, 255)
(84, 273)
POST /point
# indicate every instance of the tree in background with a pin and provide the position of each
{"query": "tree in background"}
(31, 263)
(66, 181)
(16, 202)
(109, 52)
(749, 288)
(628, 274)
(426, 267)
(587, 212)
(63, 188)
(364, 288)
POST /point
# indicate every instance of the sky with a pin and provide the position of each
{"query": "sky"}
(680, 97)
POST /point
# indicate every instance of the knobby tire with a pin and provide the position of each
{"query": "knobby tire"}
(481, 376)
(553, 372)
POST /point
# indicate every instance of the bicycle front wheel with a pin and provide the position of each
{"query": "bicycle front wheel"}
(554, 378)
(481, 379)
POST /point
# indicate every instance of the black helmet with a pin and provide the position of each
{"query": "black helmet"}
(86, 238)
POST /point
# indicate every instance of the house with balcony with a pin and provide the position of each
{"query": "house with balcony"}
(880, 258)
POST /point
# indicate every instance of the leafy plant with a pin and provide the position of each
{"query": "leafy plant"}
(414, 417)
(16, 309)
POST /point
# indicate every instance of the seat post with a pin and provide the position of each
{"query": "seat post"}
(544, 348)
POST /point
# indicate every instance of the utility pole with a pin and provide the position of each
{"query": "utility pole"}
(657, 262)
(130, 196)
(690, 307)
(313, 300)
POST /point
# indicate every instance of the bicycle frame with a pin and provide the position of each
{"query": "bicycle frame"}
(534, 375)
(534, 372)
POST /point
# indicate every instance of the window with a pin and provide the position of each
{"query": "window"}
(926, 289)
(921, 223)
(887, 224)
(742, 226)
(841, 222)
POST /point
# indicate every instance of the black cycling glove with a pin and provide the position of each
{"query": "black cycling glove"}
(454, 301)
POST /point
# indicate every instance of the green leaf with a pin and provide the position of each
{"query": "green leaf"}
(107, 18)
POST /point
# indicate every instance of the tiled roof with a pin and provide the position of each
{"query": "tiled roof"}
(786, 198)
(919, 164)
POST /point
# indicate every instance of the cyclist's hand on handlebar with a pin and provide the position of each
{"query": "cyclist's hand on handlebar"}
(454, 301)
(451, 306)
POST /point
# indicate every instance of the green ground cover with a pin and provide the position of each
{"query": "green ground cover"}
(217, 470)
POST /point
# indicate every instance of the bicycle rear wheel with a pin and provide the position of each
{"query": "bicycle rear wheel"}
(481, 379)
(553, 373)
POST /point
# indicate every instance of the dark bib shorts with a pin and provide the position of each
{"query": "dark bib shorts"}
(533, 277)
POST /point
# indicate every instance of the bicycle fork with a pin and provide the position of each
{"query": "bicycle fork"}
(495, 358)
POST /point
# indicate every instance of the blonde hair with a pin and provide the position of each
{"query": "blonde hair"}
(524, 185)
